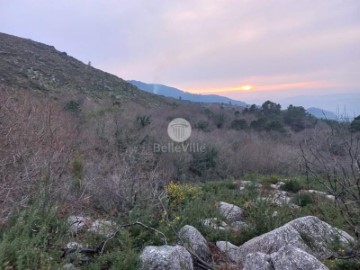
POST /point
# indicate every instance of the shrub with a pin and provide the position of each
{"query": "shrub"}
(203, 161)
(292, 186)
(355, 124)
(144, 120)
(239, 124)
(203, 125)
(303, 199)
(73, 106)
(269, 180)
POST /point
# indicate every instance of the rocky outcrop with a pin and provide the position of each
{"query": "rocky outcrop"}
(309, 234)
(166, 258)
(195, 241)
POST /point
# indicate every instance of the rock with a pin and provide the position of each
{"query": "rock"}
(250, 183)
(103, 227)
(215, 224)
(229, 249)
(331, 197)
(230, 211)
(258, 261)
(279, 198)
(320, 193)
(290, 257)
(287, 258)
(238, 225)
(166, 258)
(195, 241)
(69, 266)
(73, 245)
(78, 223)
(309, 234)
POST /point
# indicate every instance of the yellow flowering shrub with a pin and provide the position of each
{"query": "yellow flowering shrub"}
(180, 193)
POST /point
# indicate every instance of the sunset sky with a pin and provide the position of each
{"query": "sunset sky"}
(290, 51)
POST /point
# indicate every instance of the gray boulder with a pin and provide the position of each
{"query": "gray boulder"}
(229, 249)
(290, 257)
(230, 211)
(78, 223)
(166, 258)
(195, 241)
(103, 227)
(258, 261)
(309, 234)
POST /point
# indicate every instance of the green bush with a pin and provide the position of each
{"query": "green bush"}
(239, 124)
(202, 125)
(73, 106)
(292, 186)
(303, 199)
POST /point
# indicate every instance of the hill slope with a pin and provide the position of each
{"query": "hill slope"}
(32, 65)
(168, 91)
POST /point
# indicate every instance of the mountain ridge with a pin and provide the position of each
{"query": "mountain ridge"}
(176, 93)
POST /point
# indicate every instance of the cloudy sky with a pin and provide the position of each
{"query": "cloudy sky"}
(303, 52)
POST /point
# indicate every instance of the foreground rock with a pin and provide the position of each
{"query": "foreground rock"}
(231, 212)
(195, 241)
(166, 258)
(228, 249)
(258, 261)
(309, 234)
(287, 258)
(290, 257)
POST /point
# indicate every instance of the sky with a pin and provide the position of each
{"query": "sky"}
(290, 51)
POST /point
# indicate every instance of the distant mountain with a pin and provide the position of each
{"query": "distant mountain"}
(177, 93)
(322, 114)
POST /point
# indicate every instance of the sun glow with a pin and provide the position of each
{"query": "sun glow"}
(246, 87)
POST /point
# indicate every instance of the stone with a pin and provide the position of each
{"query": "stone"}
(69, 266)
(229, 249)
(74, 245)
(290, 257)
(258, 261)
(78, 223)
(103, 227)
(215, 224)
(195, 241)
(239, 225)
(166, 258)
(231, 212)
(309, 234)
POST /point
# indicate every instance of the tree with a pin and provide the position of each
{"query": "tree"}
(270, 107)
(239, 124)
(295, 117)
(355, 124)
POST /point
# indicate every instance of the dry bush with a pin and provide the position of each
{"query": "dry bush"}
(332, 157)
(36, 143)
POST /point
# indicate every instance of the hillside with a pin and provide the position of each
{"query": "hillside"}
(168, 91)
(32, 65)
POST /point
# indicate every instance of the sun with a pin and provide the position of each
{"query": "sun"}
(246, 87)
